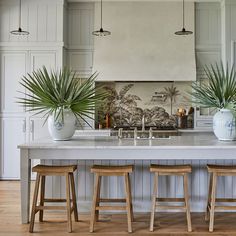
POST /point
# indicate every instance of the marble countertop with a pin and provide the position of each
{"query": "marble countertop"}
(196, 141)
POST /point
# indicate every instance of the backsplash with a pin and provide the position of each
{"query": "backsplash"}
(154, 103)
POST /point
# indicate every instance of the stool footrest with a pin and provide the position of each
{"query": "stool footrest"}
(170, 199)
(225, 207)
(38, 208)
(171, 207)
(111, 208)
(55, 200)
(225, 200)
(112, 200)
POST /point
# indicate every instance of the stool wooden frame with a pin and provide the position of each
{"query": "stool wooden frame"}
(159, 170)
(214, 172)
(100, 171)
(43, 171)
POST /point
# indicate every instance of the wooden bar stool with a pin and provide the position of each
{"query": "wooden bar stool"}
(100, 171)
(214, 172)
(171, 170)
(43, 171)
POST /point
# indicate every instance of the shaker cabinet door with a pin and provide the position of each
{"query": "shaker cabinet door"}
(13, 133)
(13, 67)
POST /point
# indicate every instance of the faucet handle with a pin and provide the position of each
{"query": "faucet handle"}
(120, 132)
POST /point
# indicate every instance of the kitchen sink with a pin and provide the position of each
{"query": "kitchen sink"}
(144, 134)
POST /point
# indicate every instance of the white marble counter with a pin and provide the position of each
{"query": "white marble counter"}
(196, 146)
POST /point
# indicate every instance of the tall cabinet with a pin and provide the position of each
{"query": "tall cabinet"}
(20, 55)
(208, 50)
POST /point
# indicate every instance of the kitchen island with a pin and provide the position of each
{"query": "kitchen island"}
(197, 150)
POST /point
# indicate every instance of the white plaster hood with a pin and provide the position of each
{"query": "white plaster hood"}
(142, 45)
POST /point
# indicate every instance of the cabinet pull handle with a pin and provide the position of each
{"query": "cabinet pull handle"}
(31, 126)
(24, 126)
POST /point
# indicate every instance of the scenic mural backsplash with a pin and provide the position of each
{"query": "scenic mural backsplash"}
(155, 103)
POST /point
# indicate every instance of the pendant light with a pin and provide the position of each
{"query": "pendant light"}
(19, 31)
(183, 31)
(101, 32)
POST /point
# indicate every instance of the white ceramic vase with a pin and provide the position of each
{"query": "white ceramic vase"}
(62, 128)
(224, 125)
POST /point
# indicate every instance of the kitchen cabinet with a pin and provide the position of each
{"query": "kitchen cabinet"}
(17, 125)
(13, 132)
(13, 66)
(80, 38)
(208, 51)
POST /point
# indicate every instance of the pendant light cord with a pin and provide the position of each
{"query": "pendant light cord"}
(20, 15)
(183, 15)
(101, 14)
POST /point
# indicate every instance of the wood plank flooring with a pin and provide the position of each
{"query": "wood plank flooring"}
(165, 224)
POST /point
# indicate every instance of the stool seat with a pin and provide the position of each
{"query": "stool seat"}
(108, 171)
(165, 170)
(214, 172)
(71, 207)
(112, 169)
(171, 169)
(221, 168)
(54, 169)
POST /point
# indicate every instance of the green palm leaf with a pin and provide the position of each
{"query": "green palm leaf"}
(220, 92)
(51, 93)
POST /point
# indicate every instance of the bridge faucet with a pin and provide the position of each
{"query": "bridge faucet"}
(143, 123)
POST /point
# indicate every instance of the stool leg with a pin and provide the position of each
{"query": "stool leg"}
(213, 198)
(186, 197)
(73, 196)
(128, 202)
(154, 196)
(209, 198)
(130, 195)
(98, 198)
(94, 203)
(42, 196)
(33, 211)
(68, 205)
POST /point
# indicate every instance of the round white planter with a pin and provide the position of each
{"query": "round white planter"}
(62, 129)
(224, 125)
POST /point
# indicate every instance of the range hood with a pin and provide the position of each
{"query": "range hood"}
(142, 45)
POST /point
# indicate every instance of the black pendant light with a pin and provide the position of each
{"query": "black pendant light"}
(183, 31)
(19, 31)
(101, 32)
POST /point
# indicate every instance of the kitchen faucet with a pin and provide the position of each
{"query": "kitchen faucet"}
(143, 123)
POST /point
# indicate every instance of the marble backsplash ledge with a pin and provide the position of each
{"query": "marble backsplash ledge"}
(155, 103)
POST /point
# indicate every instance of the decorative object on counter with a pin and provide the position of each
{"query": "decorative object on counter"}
(190, 118)
(61, 98)
(101, 31)
(19, 31)
(181, 118)
(171, 93)
(183, 31)
(220, 93)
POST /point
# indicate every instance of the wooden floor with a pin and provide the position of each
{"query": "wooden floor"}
(165, 224)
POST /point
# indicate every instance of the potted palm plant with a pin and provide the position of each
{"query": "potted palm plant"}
(220, 93)
(61, 98)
